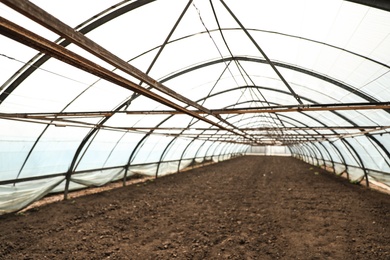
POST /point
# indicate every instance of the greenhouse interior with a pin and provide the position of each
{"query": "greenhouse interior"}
(95, 92)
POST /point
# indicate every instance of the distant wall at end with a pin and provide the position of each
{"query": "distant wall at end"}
(269, 150)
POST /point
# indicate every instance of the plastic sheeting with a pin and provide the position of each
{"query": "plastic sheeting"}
(98, 178)
(15, 197)
(217, 55)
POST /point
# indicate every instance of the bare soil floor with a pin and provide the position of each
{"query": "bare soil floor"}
(244, 208)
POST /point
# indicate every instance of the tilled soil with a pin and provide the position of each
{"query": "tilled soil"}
(245, 208)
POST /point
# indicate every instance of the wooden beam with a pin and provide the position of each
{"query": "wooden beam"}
(67, 121)
(40, 16)
(39, 43)
(45, 19)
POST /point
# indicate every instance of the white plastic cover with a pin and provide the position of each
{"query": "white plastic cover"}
(217, 54)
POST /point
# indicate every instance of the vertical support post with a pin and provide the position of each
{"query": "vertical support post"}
(67, 182)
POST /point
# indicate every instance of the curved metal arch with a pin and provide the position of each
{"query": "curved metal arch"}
(152, 1)
(359, 159)
(243, 150)
(308, 153)
(98, 22)
(346, 119)
(73, 163)
(41, 59)
(278, 91)
(138, 1)
(249, 101)
(280, 115)
(278, 64)
(295, 120)
(218, 147)
(189, 144)
(240, 149)
(131, 157)
(315, 148)
(344, 161)
(314, 41)
(131, 6)
(312, 152)
(341, 157)
(284, 116)
(295, 152)
(200, 147)
(287, 93)
(382, 147)
(271, 32)
(352, 152)
(169, 145)
(184, 151)
(226, 151)
(331, 143)
(84, 28)
(216, 143)
(115, 14)
(292, 150)
(299, 151)
(292, 119)
(332, 81)
(329, 154)
(302, 152)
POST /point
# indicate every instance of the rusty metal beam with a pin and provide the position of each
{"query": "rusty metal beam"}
(39, 43)
(68, 120)
(265, 128)
(257, 138)
(40, 16)
(305, 128)
(260, 135)
(45, 19)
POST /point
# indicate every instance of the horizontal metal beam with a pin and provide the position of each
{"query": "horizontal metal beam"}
(248, 110)
(285, 129)
(306, 128)
(64, 122)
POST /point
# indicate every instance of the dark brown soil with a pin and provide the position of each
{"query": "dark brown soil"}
(244, 208)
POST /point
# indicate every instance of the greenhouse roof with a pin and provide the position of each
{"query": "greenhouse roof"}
(95, 91)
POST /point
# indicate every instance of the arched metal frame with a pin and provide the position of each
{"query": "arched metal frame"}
(329, 155)
(305, 150)
(313, 150)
